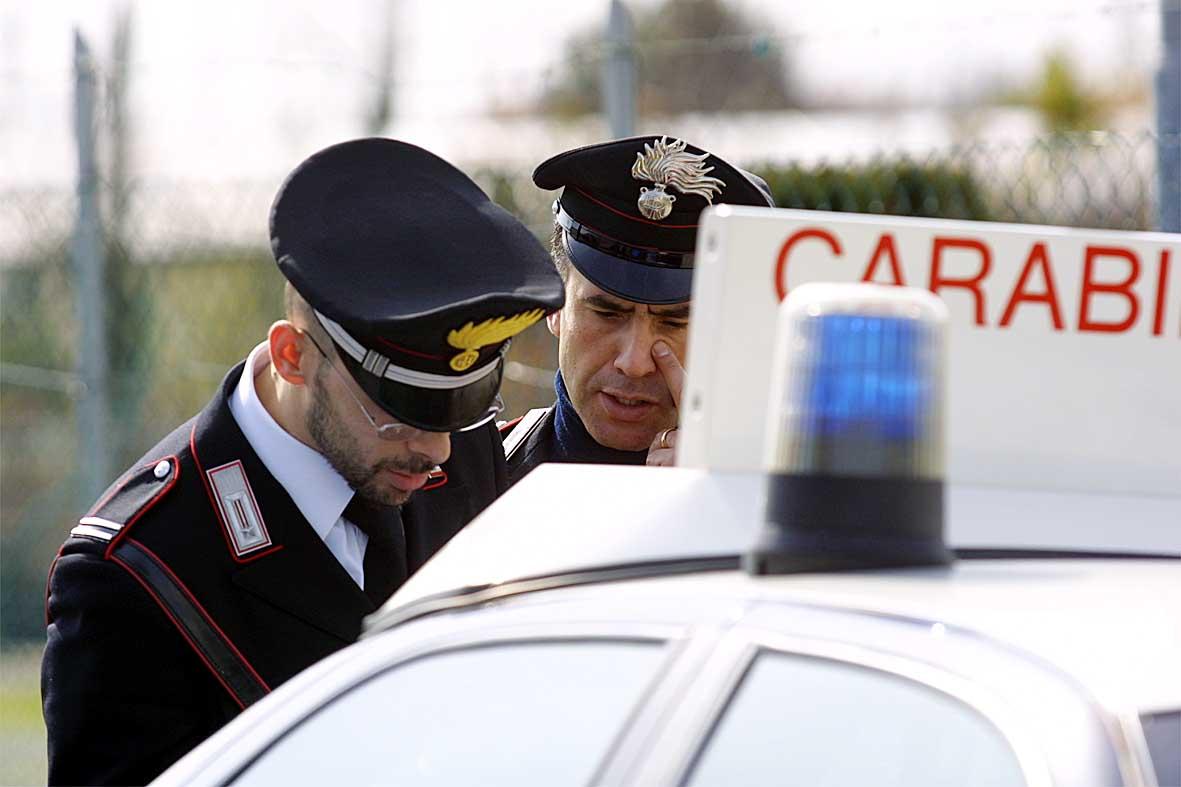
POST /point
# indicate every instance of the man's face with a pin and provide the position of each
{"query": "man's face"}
(382, 471)
(605, 354)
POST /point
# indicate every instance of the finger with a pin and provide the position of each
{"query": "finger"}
(660, 458)
(665, 438)
(671, 369)
(663, 455)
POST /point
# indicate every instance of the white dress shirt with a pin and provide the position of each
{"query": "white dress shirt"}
(319, 492)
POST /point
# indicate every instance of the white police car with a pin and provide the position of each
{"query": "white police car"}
(807, 626)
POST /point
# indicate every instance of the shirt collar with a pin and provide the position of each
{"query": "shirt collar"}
(318, 491)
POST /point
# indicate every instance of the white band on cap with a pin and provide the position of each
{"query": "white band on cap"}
(380, 366)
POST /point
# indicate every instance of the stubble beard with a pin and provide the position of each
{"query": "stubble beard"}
(341, 450)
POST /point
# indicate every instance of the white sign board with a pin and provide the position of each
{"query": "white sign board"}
(1064, 346)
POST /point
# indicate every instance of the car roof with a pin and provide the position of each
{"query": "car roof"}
(1114, 623)
(577, 518)
(1113, 626)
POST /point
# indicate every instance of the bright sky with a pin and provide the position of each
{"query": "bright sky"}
(247, 87)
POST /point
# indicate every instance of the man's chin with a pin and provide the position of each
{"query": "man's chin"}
(386, 496)
(622, 437)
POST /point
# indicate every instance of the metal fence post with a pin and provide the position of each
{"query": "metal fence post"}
(1168, 118)
(88, 258)
(619, 72)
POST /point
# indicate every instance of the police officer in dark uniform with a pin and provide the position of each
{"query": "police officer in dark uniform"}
(625, 230)
(332, 462)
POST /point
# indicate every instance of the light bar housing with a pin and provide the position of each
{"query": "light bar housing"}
(855, 450)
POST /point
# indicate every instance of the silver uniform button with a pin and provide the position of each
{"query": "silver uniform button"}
(162, 469)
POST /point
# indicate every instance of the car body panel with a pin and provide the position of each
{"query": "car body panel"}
(673, 514)
(998, 633)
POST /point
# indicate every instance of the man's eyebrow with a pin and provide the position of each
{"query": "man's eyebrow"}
(608, 304)
(678, 312)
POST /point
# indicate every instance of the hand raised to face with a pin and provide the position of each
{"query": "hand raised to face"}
(662, 452)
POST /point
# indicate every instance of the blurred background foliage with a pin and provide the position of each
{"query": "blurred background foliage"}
(691, 56)
(179, 315)
(190, 285)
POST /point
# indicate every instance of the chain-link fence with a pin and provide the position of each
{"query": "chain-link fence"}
(190, 287)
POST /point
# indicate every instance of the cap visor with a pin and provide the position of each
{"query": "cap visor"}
(433, 410)
(633, 281)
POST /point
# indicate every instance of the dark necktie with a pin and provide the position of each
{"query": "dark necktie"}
(385, 554)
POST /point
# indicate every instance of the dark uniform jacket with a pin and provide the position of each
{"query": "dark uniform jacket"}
(129, 685)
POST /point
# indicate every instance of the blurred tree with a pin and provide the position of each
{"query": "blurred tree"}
(1064, 103)
(692, 56)
(1059, 96)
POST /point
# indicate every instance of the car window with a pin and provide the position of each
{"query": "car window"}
(523, 713)
(805, 720)
(1162, 732)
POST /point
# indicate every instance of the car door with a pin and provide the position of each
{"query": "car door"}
(802, 694)
(541, 707)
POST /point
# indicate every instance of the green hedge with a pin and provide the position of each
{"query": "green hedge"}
(895, 188)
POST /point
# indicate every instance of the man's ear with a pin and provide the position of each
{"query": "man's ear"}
(285, 342)
(553, 321)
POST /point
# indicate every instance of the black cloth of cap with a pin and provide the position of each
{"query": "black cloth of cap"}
(635, 257)
(402, 250)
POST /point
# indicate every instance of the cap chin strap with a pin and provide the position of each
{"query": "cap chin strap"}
(380, 366)
(643, 255)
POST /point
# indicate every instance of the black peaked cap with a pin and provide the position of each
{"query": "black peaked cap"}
(646, 258)
(426, 277)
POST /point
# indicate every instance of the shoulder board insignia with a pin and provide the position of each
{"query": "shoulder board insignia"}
(127, 501)
(239, 508)
(506, 427)
(96, 527)
(436, 479)
(525, 426)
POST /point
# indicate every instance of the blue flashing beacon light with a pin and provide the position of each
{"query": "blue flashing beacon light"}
(855, 448)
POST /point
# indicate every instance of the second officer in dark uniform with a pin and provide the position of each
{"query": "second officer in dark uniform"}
(251, 541)
(625, 230)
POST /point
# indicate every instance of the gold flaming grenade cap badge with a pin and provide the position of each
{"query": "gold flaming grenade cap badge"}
(471, 337)
(667, 164)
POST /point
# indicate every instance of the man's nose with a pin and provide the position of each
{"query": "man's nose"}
(635, 355)
(432, 446)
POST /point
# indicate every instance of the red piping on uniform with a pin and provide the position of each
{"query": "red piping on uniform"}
(208, 618)
(107, 497)
(509, 426)
(146, 508)
(415, 353)
(429, 485)
(630, 217)
(253, 501)
(160, 603)
(217, 509)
